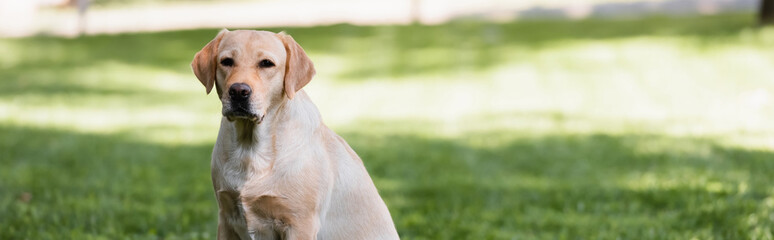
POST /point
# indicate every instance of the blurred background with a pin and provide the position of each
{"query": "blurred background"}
(487, 119)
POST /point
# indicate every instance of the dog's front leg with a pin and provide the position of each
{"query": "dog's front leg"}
(231, 217)
(225, 230)
(304, 229)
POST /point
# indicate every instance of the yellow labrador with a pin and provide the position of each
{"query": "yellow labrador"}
(277, 170)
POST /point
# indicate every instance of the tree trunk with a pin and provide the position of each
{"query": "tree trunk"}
(766, 12)
(415, 11)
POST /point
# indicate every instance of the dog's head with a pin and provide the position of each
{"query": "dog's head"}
(252, 70)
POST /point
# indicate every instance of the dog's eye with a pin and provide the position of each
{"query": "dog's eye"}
(266, 63)
(228, 62)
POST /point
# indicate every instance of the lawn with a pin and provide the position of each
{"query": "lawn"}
(652, 128)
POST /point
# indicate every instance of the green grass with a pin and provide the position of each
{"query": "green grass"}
(654, 128)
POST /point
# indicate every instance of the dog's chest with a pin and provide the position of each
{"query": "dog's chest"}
(238, 168)
(231, 175)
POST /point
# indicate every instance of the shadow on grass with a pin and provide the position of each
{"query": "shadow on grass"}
(84, 186)
(369, 51)
(478, 187)
(573, 186)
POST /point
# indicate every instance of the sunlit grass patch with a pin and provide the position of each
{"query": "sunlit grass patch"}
(109, 97)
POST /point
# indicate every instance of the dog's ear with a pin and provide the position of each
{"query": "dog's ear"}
(299, 69)
(205, 62)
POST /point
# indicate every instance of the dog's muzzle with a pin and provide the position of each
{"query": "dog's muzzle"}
(238, 106)
(232, 115)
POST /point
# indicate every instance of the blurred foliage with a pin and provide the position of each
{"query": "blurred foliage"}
(593, 129)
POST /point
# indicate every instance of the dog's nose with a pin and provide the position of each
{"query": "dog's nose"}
(239, 91)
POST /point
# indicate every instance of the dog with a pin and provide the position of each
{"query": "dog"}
(277, 170)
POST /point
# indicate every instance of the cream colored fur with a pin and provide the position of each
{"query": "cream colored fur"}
(281, 173)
